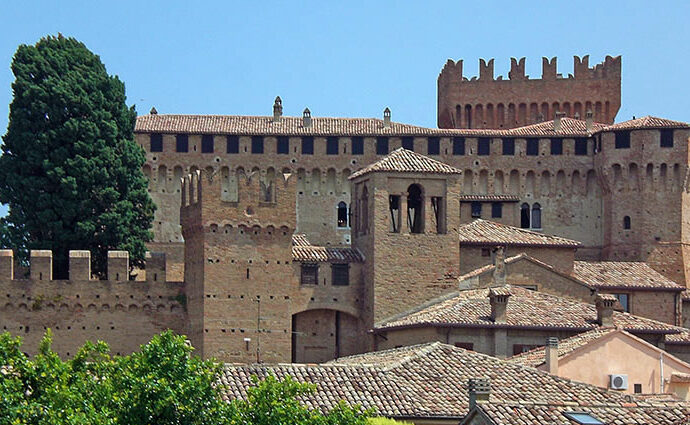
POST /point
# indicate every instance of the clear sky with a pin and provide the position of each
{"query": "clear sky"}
(352, 59)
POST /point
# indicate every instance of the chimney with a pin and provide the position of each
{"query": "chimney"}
(498, 298)
(551, 352)
(589, 122)
(479, 391)
(500, 266)
(605, 304)
(306, 118)
(386, 118)
(277, 109)
(153, 111)
(557, 121)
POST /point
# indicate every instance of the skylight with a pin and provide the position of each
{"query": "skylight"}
(583, 418)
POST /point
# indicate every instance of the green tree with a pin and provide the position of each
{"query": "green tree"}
(70, 170)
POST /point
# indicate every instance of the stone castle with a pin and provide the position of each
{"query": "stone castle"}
(289, 238)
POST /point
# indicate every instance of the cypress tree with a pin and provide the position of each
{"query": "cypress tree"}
(70, 170)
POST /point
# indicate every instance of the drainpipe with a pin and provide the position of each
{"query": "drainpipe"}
(661, 375)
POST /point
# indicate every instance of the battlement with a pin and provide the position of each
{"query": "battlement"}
(41, 266)
(261, 198)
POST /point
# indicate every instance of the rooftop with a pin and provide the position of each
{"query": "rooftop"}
(623, 275)
(484, 232)
(402, 160)
(303, 251)
(647, 122)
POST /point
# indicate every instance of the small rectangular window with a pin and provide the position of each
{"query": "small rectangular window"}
(508, 146)
(382, 146)
(580, 146)
(358, 146)
(638, 388)
(408, 143)
(309, 274)
(257, 144)
(181, 143)
(332, 146)
(341, 274)
(433, 146)
(476, 209)
(496, 209)
(156, 142)
(483, 146)
(557, 146)
(666, 138)
(207, 143)
(622, 139)
(532, 147)
(307, 145)
(233, 144)
(283, 146)
(465, 345)
(458, 145)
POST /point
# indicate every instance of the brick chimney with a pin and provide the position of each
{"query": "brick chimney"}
(498, 298)
(605, 304)
(500, 266)
(551, 353)
(479, 391)
(306, 118)
(589, 122)
(557, 121)
(277, 109)
(386, 118)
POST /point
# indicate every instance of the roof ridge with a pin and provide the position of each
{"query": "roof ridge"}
(406, 161)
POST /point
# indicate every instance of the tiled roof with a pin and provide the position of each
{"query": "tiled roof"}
(304, 252)
(526, 309)
(402, 160)
(484, 232)
(489, 198)
(535, 357)
(623, 275)
(647, 122)
(430, 381)
(569, 127)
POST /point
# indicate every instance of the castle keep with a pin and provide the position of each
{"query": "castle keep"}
(291, 238)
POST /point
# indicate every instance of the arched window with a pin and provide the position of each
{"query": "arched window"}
(524, 216)
(342, 214)
(365, 210)
(415, 206)
(626, 222)
(536, 216)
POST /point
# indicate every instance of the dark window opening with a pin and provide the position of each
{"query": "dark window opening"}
(257, 144)
(626, 222)
(483, 146)
(508, 146)
(342, 214)
(622, 139)
(341, 274)
(332, 146)
(599, 144)
(458, 145)
(496, 209)
(357, 146)
(666, 140)
(439, 213)
(557, 146)
(532, 147)
(156, 142)
(536, 216)
(207, 143)
(465, 345)
(307, 145)
(408, 143)
(580, 146)
(476, 209)
(181, 143)
(624, 300)
(433, 146)
(524, 216)
(486, 252)
(523, 348)
(638, 388)
(394, 207)
(382, 146)
(233, 144)
(283, 146)
(309, 274)
(415, 204)
(364, 205)
(468, 115)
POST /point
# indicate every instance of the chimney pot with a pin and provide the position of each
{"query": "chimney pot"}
(498, 299)
(277, 109)
(551, 352)
(386, 118)
(589, 122)
(479, 390)
(153, 111)
(605, 304)
(557, 121)
(306, 118)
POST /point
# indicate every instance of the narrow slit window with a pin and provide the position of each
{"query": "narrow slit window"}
(394, 208)
(415, 213)
(524, 216)
(342, 214)
(536, 216)
(626, 222)
(439, 213)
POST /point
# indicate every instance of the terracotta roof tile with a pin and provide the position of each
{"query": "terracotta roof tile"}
(489, 198)
(647, 122)
(402, 160)
(569, 127)
(623, 275)
(304, 252)
(484, 232)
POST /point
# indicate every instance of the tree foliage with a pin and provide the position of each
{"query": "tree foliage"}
(70, 170)
(162, 384)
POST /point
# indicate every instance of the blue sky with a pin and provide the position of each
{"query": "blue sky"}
(351, 58)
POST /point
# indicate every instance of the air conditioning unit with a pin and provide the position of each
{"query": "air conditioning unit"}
(618, 382)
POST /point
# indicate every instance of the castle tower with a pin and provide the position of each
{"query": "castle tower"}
(488, 102)
(406, 217)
